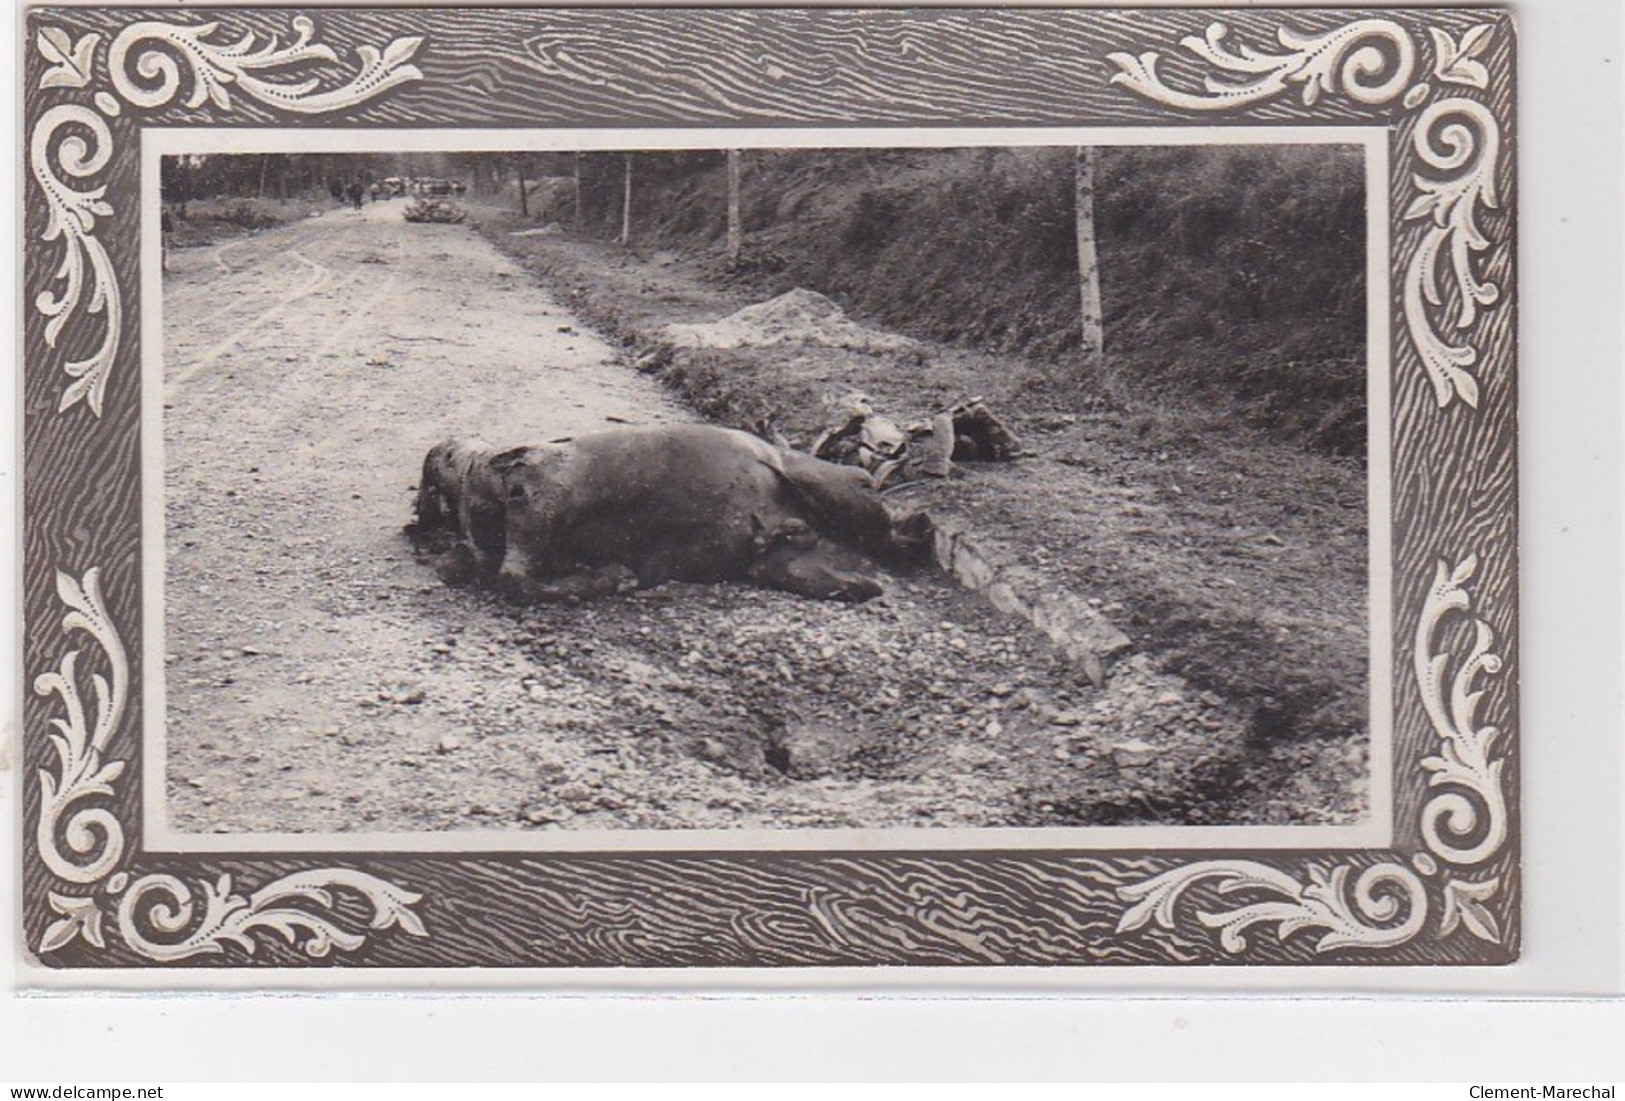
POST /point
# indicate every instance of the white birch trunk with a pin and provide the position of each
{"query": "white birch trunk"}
(1093, 327)
(577, 207)
(735, 230)
(626, 205)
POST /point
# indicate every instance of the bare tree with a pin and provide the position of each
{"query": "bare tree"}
(626, 205)
(577, 208)
(1093, 333)
(735, 231)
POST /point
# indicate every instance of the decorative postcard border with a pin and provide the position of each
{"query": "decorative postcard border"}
(1439, 81)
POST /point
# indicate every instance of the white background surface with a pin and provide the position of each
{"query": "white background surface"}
(1572, 297)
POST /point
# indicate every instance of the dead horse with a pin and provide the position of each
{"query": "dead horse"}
(635, 507)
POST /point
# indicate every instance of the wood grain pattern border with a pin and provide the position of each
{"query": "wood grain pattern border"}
(1438, 82)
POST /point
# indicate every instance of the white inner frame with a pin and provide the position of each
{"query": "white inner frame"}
(1374, 832)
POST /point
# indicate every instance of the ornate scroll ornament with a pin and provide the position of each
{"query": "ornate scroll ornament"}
(156, 915)
(1457, 140)
(164, 907)
(1362, 918)
(229, 917)
(142, 65)
(215, 66)
(93, 834)
(1349, 60)
(1473, 804)
(71, 219)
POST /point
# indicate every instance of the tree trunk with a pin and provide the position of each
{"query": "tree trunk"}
(626, 205)
(524, 200)
(577, 207)
(1093, 328)
(265, 165)
(735, 231)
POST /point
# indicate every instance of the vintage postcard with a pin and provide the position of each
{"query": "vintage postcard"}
(541, 488)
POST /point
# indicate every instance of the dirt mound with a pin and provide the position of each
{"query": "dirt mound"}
(798, 316)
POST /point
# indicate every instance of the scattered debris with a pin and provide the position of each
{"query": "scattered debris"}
(435, 210)
(966, 431)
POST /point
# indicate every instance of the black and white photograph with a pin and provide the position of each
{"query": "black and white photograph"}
(766, 488)
(787, 494)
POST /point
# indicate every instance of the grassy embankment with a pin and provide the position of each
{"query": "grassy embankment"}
(1232, 278)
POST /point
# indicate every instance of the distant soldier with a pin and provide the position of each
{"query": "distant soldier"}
(355, 194)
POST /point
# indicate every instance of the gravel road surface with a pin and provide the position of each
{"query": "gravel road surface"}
(319, 678)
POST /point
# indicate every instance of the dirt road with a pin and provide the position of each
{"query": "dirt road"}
(319, 678)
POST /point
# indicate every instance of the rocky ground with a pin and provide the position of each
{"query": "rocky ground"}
(321, 679)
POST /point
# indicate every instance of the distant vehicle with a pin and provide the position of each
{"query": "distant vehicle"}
(392, 186)
(437, 187)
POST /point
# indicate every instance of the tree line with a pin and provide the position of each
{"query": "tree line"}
(596, 188)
